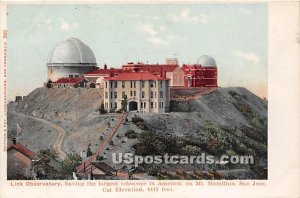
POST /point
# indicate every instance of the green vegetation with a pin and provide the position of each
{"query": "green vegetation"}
(253, 117)
(182, 106)
(102, 110)
(49, 84)
(139, 122)
(191, 150)
(265, 103)
(41, 165)
(151, 143)
(137, 119)
(215, 140)
(68, 166)
(124, 103)
(131, 134)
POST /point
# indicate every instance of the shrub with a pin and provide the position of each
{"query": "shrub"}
(181, 106)
(191, 150)
(102, 110)
(137, 119)
(216, 141)
(119, 111)
(230, 152)
(131, 134)
(155, 143)
(142, 125)
(49, 84)
(154, 170)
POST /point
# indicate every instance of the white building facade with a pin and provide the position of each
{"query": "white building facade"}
(145, 92)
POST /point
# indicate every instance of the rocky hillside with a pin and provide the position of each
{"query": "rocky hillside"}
(231, 121)
(73, 110)
(226, 121)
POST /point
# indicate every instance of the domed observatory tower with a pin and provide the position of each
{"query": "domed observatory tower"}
(70, 59)
(202, 74)
(206, 61)
(209, 76)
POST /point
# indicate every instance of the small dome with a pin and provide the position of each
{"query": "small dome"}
(207, 61)
(71, 51)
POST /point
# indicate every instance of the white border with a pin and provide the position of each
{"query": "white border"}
(284, 138)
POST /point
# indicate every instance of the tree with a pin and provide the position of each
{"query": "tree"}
(102, 110)
(68, 166)
(49, 84)
(124, 103)
(88, 151)
(41, 167)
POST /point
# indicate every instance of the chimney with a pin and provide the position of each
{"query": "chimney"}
(14, 141)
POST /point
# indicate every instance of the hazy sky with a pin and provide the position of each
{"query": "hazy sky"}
(234, 34)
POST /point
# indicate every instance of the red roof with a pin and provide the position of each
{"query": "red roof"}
(82, 166)
(135, 76)
(152, 67)
(102, 71)
(22, 149)
(69, 80)
(100, 165)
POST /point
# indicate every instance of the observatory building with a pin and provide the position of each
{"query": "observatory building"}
(70, 59)
(202, 74)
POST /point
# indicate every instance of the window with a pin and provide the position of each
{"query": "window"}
(111, 84)
(116, 105)
(151, 105)
(130, 84)
(131, 93)
(134, 83)
(123, 94)
(162, 104)
(134, 93)
(116, 84)
(144, 104)
(123, 84)
(111, 95)
(141, 104)
(106, 95)
(76, 76)
(161, 94)
(151, 94)
(143, 84)
(116, 94)
(143, 94)
(70, 76)
(161, 84)
(111, 105)
(159, 106)
(151, 83)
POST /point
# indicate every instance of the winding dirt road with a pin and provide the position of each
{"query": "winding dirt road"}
(57, 145)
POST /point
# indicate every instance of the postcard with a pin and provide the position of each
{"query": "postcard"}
(149, 99)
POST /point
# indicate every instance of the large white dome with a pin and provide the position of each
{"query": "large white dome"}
(207, 61)
(71, 51)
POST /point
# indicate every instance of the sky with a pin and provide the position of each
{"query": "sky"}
(235, 35)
